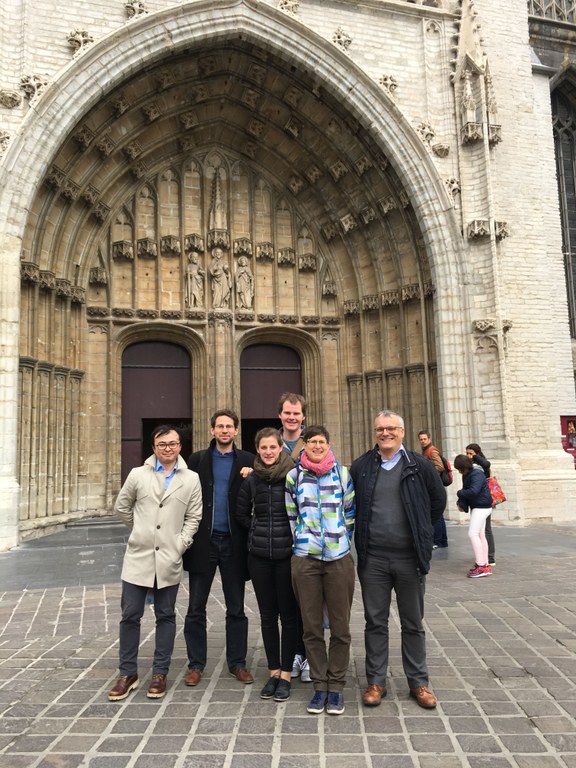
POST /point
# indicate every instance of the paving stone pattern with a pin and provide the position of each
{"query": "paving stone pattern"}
(501, 656)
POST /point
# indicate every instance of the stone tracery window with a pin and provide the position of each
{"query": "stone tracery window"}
(564, 121)
(555, 10)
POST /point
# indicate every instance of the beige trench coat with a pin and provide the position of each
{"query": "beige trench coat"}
(162, 523)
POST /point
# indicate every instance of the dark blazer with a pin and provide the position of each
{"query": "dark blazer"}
(423, 499)
(196, 559)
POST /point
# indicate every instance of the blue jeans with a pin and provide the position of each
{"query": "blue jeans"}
(133, 602)
(233, 585)
(440, 533)
(378, 577)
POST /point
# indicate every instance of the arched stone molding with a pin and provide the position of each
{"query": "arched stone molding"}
(421, 195)
(191, 341)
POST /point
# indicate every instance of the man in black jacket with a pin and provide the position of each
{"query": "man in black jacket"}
(399, 497)
(220, 542)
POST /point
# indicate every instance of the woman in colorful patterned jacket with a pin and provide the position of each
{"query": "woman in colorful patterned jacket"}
(321, 510)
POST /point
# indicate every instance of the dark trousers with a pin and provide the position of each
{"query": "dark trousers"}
(378, 577)
(233, 584)
(272, 582)
(133, 603)
(490, 539)
(332, 582)
(440, 533)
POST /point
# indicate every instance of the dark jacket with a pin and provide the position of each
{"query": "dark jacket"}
(423, 498)
(196, 559)
(483, 463)
(261, 510)
(475, 492)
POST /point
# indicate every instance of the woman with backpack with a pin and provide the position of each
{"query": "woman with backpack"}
(475, 497)
(261, 509)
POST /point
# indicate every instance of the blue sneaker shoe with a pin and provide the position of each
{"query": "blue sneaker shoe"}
(335, 705)
(317, 702)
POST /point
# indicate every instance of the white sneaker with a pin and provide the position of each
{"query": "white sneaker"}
(297, 665)
(305, 676)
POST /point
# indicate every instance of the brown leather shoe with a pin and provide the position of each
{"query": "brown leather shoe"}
(193, 676)
(424, 697)
(242, 675)
(373, 695)
(157, 687)
(124, 685)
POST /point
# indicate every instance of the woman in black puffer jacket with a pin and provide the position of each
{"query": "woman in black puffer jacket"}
(261, 509)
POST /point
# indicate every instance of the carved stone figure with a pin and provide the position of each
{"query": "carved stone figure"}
(221, 280)
(244, 284)
(194, 287)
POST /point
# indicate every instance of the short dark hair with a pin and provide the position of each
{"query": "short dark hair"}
(267, 432)
(225, 412)
(314, 431)
(424, 432)
(163, 429)
(463, 462)
(293, 398)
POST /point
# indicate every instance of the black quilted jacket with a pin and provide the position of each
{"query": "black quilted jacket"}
(261, 510)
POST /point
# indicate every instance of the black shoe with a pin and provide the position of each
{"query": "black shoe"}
(270, 688)
(282, 690)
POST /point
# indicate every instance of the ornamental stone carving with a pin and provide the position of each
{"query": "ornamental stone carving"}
(295, 185)
(101, 211)
(286, 257)
(148, 314)
(330, 231)
(152, 112)
(9, 98)
(256, 128)
(370, 303)
(293, 127)
(170, 314)
(426, 132)
(33, 86)
(367, 214)
(133, 150)
(78, 295)
(307, 262)
(288, 319)
(123, 312)
(4, 139)
(478, 229)
(47, 280)
(195, 314)
(69, 190)
(98, 312)
(79, 40)
(170, 245)
(138, 169)
(105, 145)
(120, 104)
(265, 251)
(494, 134)
(440, 149)
(387, 204)
(90, 195)
(29, 272)
(486, 335)
(471, 132)
(338, 170)
(352, 307)
(342, 39)
(290, 7)
(55, 177)
(362, 165)
(410, 292)
(329, 288)
(390, 298)
(135, 8)
(293, 96)
(218, 238)
(98, 276)
(63, 288)
(310, 320)
(146, 248)
(193, 242)
(313, 174)
(453, 187)
(330, 321)
(84, 137)
(244, 284)
(501, 230)
(267, 318)
(242, 247)
(348, 223)
(389, 84)
(123, 250)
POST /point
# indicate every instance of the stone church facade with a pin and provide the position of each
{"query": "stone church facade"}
(364, 191)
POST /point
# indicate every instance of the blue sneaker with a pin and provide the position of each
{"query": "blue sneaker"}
(317, 702)
(335, 705)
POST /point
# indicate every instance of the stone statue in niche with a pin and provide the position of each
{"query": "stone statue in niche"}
(194, 288)
(221, 280)
(244, 284)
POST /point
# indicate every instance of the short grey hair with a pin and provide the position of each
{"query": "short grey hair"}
(388, 414)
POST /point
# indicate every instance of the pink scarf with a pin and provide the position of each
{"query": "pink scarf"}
(318, 467)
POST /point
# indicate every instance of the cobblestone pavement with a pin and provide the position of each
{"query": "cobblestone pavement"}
(501, 656)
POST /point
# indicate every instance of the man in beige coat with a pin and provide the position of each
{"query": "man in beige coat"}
(161, 503)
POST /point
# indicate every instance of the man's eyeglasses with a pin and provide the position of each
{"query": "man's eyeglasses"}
(163, 446)
(391, 430)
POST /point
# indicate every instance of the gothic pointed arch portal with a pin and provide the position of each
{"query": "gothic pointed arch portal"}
(233, 198)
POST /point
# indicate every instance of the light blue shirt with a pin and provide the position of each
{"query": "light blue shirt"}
(169, 476)
(389, 464)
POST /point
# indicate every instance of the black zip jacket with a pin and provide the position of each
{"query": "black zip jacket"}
(261, 510)
(423, 499)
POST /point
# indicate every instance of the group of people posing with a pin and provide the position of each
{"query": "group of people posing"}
(285, 519)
